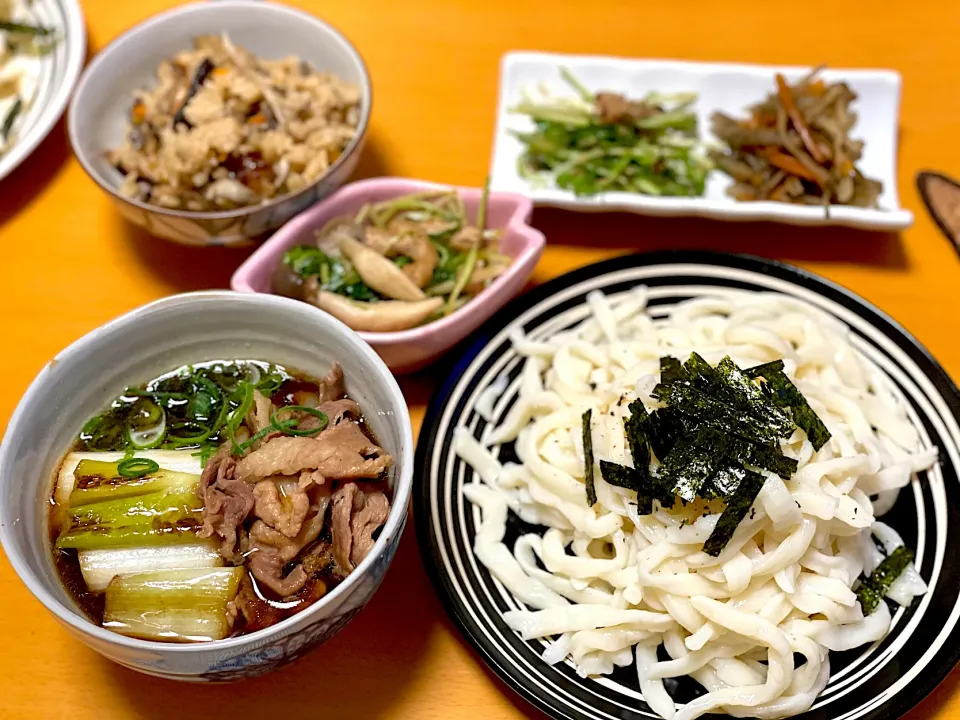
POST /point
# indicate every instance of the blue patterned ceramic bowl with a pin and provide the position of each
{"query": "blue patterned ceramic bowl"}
(175, 331)
(97, 119)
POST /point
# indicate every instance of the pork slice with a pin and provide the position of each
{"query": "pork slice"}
(285, 512)
(333, 386)
(340, 452)
(310, 478)
(337, 410)
(366, 521)
(258, 416)
(357, 514)
(271, 550)
(227, 502)
(267, 567)
(343, 500)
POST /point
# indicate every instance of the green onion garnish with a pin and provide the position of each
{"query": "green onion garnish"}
(282, 427)
(137, 467)
(292, 429)
(11, 118)
(23, 28)
(236, 417)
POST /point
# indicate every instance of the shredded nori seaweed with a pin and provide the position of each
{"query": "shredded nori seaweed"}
(738, 505)
(690, 464)
(728, 479)
(629, 478)
(588, 459)
(633, 429)
(781, 391)
(717, 424)
(873, 588)
(671, 370)
(637, 478)
(727, 418)
(664, 427)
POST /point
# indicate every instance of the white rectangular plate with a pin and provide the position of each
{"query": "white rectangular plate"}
(720, 86)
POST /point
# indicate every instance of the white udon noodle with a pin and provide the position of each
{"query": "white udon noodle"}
(618, 585)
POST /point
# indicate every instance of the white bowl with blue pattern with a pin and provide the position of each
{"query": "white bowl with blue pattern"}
(82, 379)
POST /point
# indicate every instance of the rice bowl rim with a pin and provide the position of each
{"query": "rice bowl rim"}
(102, 59)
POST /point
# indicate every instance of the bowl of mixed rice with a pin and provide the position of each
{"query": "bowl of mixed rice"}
(216, 122)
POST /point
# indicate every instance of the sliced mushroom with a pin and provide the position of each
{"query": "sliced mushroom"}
(412, 243)
(383, 316)
(230, 191)
(379, 273)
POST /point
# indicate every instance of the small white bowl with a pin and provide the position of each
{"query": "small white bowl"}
(98, 115)
(727, 87)
(81, 380)
(59, 72)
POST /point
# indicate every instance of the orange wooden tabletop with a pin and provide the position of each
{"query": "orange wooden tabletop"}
(70, 263)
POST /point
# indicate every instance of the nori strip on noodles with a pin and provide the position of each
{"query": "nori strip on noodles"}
(738, 505)
(784, 393)
(628, 477)
(588, 459)
(873, 588)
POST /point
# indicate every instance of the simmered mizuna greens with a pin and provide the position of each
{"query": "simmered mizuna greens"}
(592, 143)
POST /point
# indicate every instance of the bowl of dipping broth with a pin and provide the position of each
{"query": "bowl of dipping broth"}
(221, 495)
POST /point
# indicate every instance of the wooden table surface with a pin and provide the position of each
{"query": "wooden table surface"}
(70, 263)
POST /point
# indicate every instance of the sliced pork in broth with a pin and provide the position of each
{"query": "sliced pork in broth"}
(217, 500)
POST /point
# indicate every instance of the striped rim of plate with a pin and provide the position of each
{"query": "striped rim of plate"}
(883, 680)
(59, 72)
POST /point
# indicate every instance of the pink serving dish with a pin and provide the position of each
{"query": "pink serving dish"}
(412, 349)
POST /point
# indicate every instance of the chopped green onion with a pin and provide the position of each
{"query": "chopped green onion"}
(270, 383)
(238, 414)
(281, 427)
(24, 29)
(11, 118)
(137, 467)
(293, 429)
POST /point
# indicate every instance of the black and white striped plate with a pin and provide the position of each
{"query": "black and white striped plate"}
(880, 681)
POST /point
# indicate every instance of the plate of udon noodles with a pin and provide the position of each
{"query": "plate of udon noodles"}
(677, 484)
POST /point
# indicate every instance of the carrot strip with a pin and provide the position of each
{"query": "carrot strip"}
(787, 163)
(786, 99)
(779, 193)
(139, 112)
